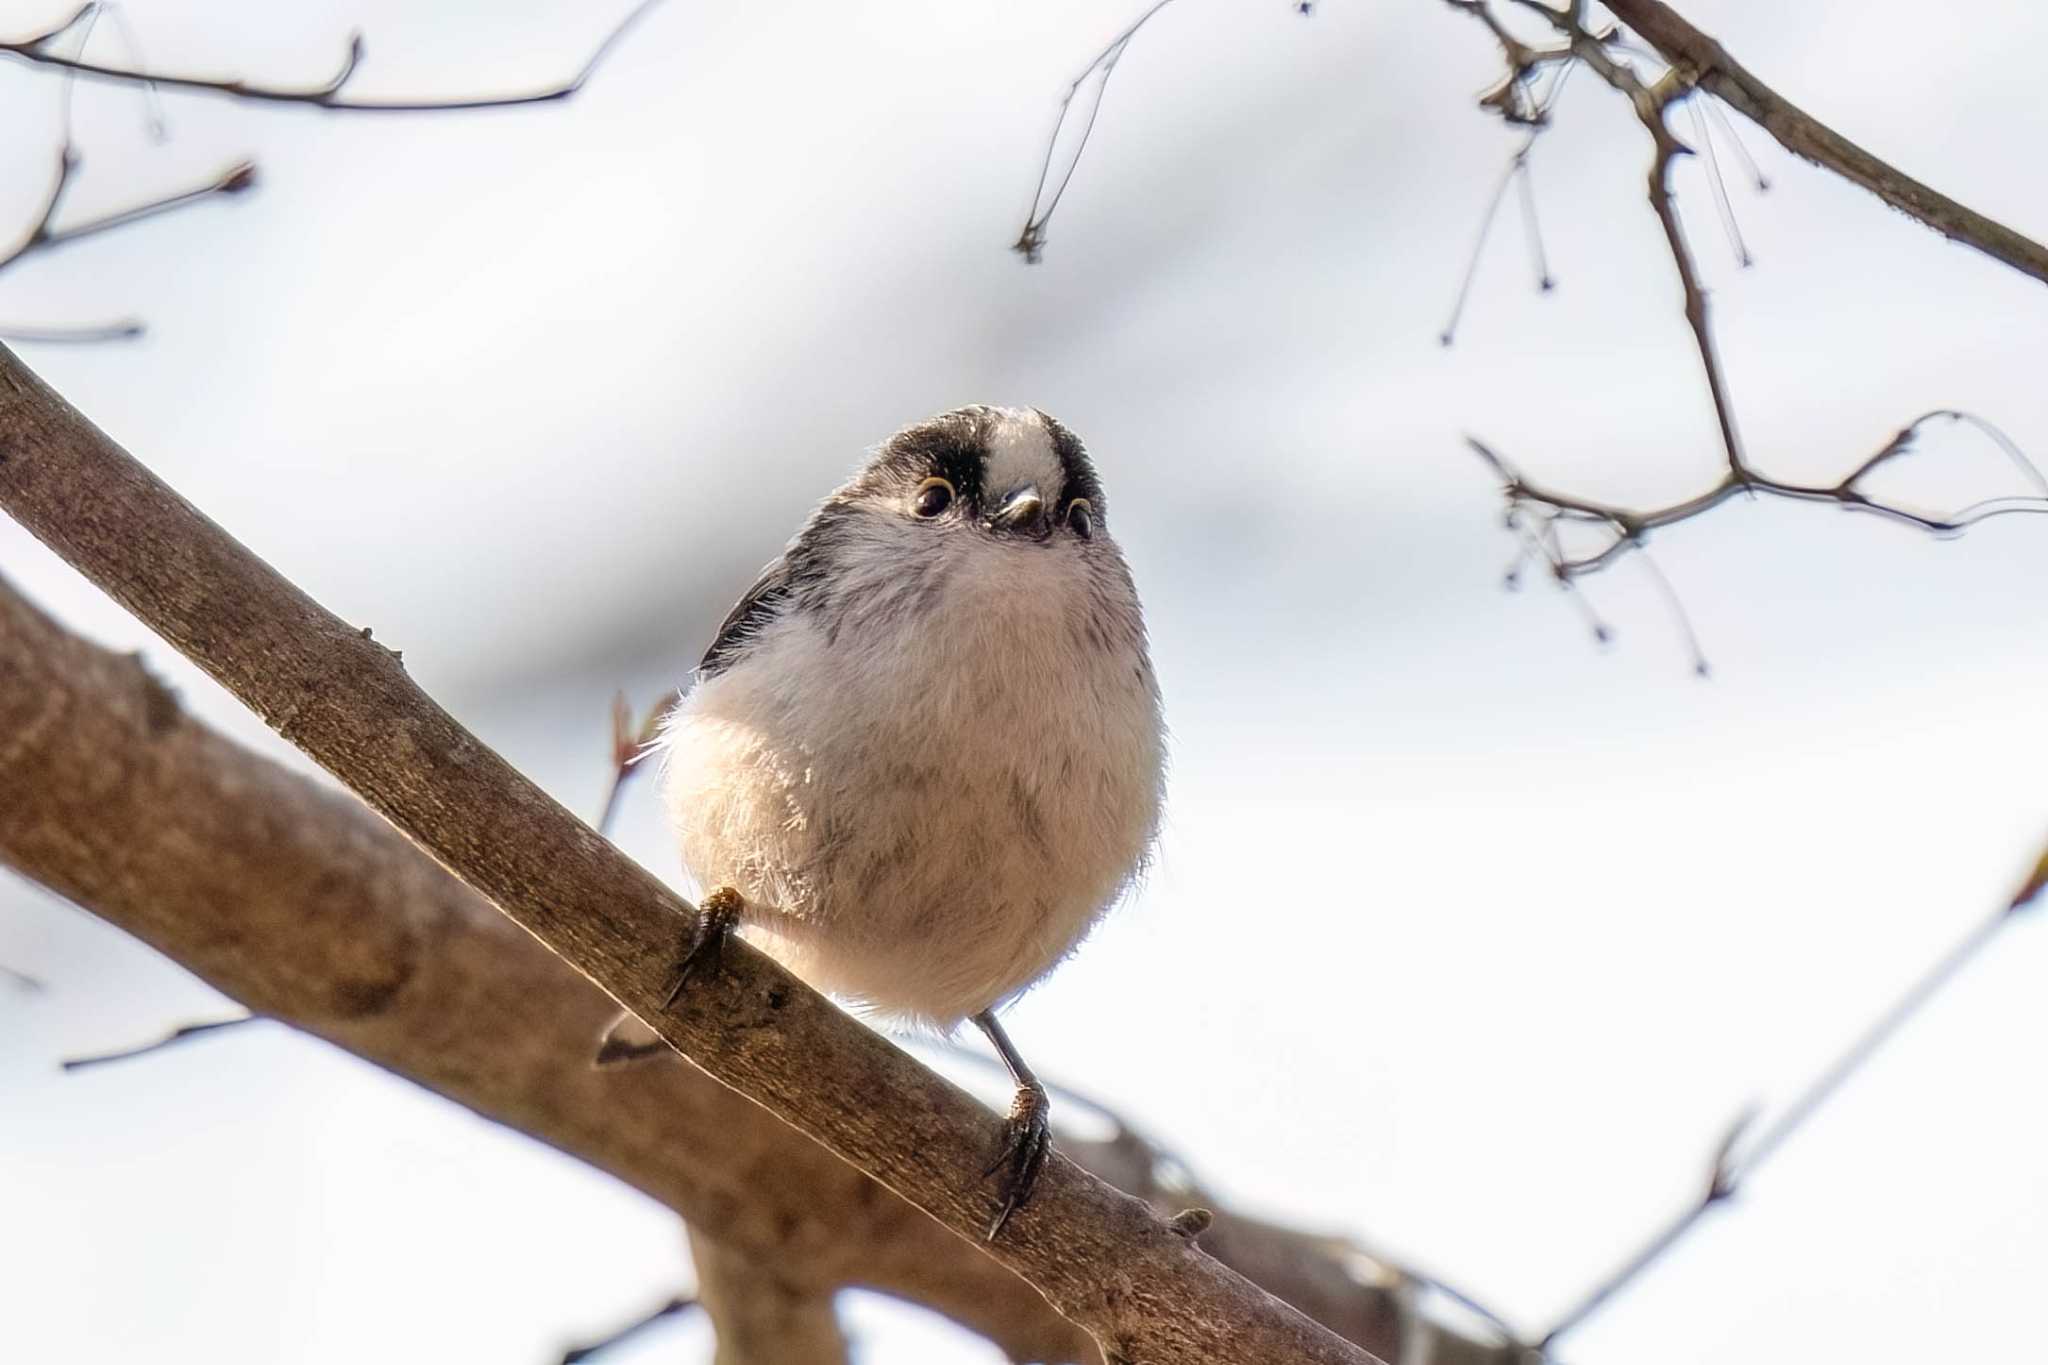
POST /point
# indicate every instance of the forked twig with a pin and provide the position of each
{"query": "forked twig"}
(1629, 528)
(1030, 242)
(331, 93)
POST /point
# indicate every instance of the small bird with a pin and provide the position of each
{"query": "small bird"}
(924, 753)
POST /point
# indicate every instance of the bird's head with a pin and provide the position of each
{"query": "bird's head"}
(1014, 475)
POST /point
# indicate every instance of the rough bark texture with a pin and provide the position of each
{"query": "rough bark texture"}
(1105, 1260)
(300, 903)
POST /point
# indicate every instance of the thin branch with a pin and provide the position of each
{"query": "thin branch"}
(629, 746)
(1629, 528)
(1736, 1160)
(1710, 67)
(86, 21)
(1449, 335)
(1535, 120)
(1544, 283)
(184, 1033)
(1757, 178)
(44, 234)
(674, 1308)
(1650, 103)
(1726, 207)
(328, 94)
(87, 334)
(1030, 242)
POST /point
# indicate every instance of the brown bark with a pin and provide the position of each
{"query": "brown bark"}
(763, 1317)
(1718, 73)
(303, 941)
(300, 903)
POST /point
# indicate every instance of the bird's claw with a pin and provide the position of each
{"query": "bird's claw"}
(718, 916)
(1027, 1141)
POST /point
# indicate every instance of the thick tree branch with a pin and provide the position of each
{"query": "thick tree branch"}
(1103, 1259)
(763, 1316)
(1710, 67)
(303, 905)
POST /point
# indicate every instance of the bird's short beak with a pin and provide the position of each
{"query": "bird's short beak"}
(1023, 511)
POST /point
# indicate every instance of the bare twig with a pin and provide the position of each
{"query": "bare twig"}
(1514, 97)
(88, 334)
(1536, 121)
(184, 1033)
(1030, 242)
(1500, 190)
(1722, 204)
(1738, 1157)
(674, 1308)
(331, 93)
(629, 746)
(1709, 66)
(1541, 513)
(44, 233)
(1626, 529)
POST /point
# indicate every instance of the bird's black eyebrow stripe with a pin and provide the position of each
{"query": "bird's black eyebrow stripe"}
(1077, 470)
(951, 446)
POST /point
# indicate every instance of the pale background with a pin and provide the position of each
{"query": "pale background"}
(1466, 935)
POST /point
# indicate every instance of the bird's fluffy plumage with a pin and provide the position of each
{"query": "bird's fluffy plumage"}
(928, 752)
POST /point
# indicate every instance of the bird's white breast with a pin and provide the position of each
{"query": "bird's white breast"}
(928, 805)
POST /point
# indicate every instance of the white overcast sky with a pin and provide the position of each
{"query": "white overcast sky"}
(1466, 936)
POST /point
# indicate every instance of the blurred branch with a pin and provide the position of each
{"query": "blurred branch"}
(1737, 1159)
(297, 901)
(20, 980)
(37, 49)
(44, 233)
(1100, 1257)
(629, 746)
(184, 1033)
(674, 1308)
(85, 334)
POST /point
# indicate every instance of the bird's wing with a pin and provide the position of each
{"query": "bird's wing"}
(756, 607)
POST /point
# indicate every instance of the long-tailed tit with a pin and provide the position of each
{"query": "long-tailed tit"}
(924, 753)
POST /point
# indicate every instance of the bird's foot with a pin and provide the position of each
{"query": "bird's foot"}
(1027, 1140)
(717, 917)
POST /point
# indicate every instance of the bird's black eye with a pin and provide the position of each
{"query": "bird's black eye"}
(934, 496)
(1081, 516)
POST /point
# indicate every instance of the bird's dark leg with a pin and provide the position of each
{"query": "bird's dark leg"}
(1027, 1136)
(718, 916)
